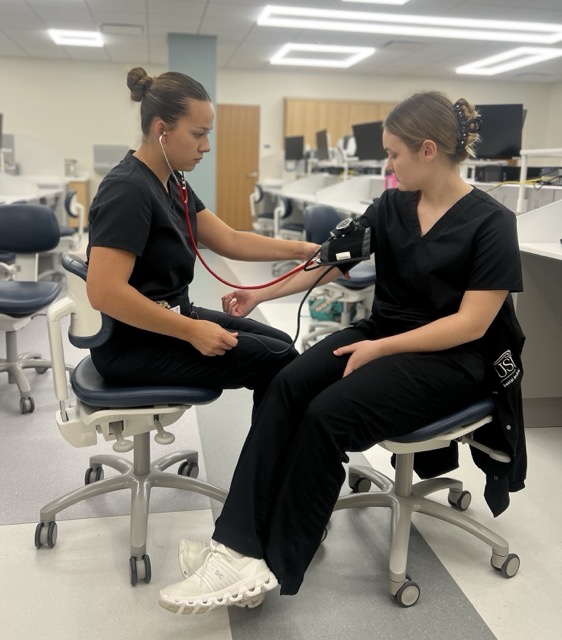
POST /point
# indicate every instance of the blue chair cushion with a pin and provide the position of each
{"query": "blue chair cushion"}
(28, 228)
(469, 414)
(67, 231)
(93, 390)
(292, 226)
(361, 276)
(21, 299)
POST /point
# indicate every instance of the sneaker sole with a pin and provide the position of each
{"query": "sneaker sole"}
(249, 598)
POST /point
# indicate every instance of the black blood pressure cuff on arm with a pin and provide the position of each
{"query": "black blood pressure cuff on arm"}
(348, 248)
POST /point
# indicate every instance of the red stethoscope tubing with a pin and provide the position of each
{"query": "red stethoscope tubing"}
(183, 197)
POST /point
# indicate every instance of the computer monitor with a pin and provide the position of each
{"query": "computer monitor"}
(368, 140)
(501, 131)
(322, 145)
(294, 148)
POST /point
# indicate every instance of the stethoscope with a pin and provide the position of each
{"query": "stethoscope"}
(182, 189)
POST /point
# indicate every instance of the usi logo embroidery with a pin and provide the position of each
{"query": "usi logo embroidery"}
(506, 368)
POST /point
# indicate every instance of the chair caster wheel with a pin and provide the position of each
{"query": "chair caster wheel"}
(359, 484)
(46, 535)
(509, 567)
(460, 501)
(408, 594)
(139, 569)
(189, 469)
(27, 405)
(93, 474)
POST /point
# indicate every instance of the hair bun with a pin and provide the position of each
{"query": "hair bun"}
(138, 82)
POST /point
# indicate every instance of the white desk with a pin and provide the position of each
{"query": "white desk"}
(539, 309)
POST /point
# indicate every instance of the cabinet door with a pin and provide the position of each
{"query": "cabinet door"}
(82, 188)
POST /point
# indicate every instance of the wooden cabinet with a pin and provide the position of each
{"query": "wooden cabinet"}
(304, 116)
(82, 188)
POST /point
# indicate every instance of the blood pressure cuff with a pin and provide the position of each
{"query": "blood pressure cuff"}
(348, 249)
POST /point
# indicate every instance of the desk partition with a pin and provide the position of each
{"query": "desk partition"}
(539, 309)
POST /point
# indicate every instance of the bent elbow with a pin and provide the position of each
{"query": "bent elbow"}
(94, 297)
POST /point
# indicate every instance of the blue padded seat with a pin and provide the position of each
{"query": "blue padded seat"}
(468, 415)
(21, 299)
(66, 232)
(361, 276)
(92, 389)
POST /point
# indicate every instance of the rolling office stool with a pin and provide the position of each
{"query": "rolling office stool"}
(25, 230)
(115, 413)
(354, 293)
(405, 498)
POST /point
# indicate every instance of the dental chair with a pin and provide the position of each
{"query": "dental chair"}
(261, 209)
(121, 414)
(25, 230)
(404, 497)
(70, 240)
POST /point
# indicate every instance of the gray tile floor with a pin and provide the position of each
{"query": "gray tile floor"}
(80, 588)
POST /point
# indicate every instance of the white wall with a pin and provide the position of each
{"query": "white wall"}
(74, 105)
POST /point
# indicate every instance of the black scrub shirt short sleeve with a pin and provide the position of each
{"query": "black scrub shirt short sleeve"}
(497, 262)
(122, 218)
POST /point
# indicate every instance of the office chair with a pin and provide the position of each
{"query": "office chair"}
(115, 413)
(288, 225)
(262, 217)
(354, 293)
(71, 238)
(25, 230)
(404, 498)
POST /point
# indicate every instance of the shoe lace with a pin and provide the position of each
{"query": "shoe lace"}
(213, 556)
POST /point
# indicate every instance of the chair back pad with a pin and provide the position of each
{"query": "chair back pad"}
(319, 220)
(88, 328)
(28, 228)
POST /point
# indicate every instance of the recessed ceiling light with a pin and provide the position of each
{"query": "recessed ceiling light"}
(514, 59)
(343, 58)
(121, 29)
(409, 25)
(76, 38)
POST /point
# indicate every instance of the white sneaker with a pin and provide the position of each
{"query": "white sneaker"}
(192, 554)
(225, 578)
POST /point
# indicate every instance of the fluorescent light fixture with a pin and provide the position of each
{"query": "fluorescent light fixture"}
(409, 25)
(513, 59)
(76, 38)
(346, 56)
(121, 29)
(395, 2)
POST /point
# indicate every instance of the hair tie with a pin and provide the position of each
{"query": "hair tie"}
(465, 126)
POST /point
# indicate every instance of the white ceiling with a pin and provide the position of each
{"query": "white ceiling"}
(241, 44)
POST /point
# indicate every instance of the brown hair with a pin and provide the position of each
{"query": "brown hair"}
(432, 116)
(166, 96)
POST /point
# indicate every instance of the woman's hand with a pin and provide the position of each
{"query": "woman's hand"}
(360, 353)
(211, 339)
(239, 303)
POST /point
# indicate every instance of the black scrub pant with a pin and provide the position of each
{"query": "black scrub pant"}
(136, 357)
(290, 470)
